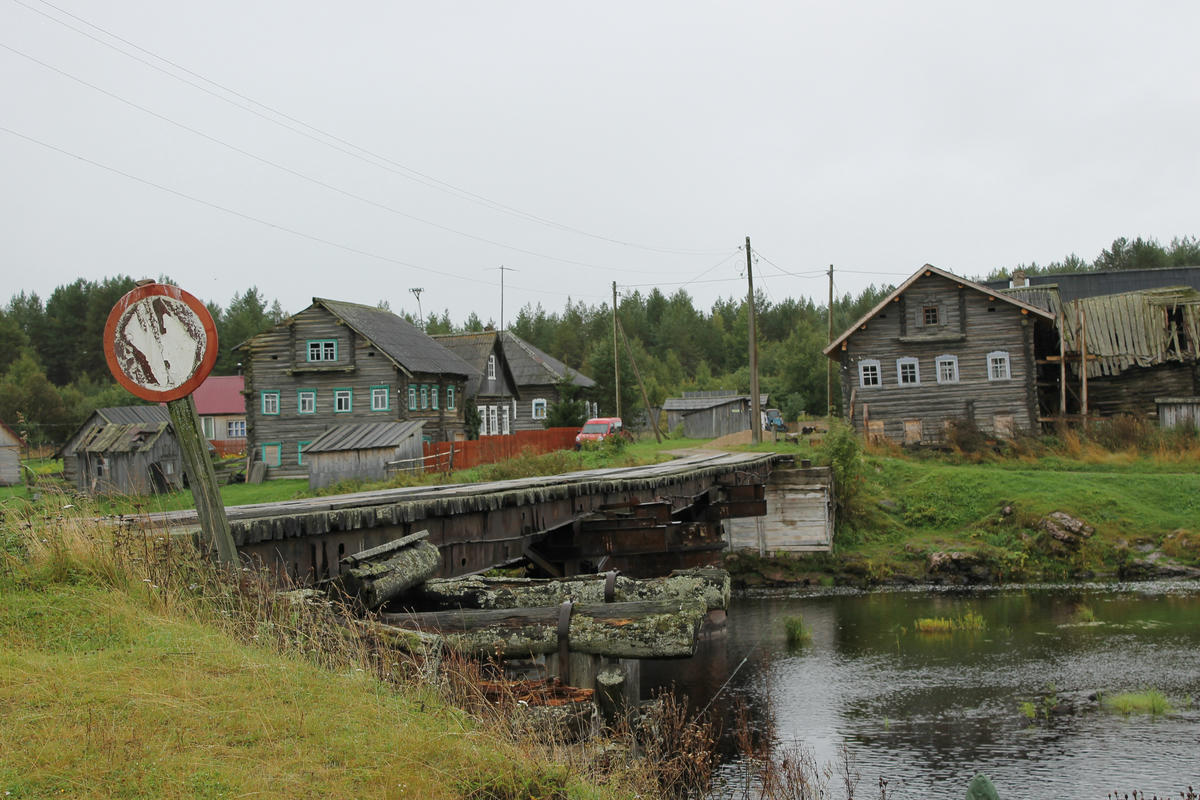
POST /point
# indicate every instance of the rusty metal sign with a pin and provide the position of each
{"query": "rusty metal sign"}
(160, 342)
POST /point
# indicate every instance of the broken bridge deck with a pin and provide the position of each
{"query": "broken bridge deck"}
(643, 520)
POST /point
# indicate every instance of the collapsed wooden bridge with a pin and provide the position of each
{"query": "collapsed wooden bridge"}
(643, 521)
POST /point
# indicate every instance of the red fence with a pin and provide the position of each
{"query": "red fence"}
(490, 449)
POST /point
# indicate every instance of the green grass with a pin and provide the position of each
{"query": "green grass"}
(1150, 701)
(796, 631)
(970, 621)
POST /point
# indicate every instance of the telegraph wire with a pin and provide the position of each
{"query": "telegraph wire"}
(329, 140)
(224, 209)
(301, 175)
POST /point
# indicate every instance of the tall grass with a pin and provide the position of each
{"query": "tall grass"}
(1150, 701)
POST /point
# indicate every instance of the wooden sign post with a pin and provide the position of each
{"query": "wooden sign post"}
(161, 343)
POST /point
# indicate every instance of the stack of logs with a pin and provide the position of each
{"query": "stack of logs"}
(607, 619)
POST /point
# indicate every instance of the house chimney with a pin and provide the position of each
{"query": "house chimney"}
(1019, 278)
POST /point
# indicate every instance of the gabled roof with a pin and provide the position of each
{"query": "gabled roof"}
(132, 437)
(924, 271)
(474, 348)
(364, 436)
(122, 415)
(8, 437)
(220, 394)
(532, 367)
(409, 347)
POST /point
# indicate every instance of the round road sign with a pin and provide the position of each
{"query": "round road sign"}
(160, 342)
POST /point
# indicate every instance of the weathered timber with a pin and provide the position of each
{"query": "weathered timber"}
(209, 507)
(383, 573)
(643, 629)
(476, 591)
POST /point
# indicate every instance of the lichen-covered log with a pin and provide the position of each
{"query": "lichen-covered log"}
(476, 591)
(383, 573)
(643, 629)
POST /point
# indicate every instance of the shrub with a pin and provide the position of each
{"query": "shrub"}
(797, 632)
(842, 450)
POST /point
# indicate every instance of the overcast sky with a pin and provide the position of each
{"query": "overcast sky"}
(358, 150)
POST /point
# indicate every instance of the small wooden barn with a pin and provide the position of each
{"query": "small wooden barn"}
(1178, 412)
(100, 418)
(708, 415)
(367, 451)
(10, 456)
(129, 458)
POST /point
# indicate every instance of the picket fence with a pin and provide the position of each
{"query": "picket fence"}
(444, 456)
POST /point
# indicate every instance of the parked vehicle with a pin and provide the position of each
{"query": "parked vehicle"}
(775, 421)
(597, 429)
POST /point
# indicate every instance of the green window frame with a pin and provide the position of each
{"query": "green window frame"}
(269, 403)
(300, 451)
(412, 397)
(424, 396)
(303, 395)
(381, 398)
(433, 396)
(450, 398)
(278, 453)
(322, 349)
(343, 393)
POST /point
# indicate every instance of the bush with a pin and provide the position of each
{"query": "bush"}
(842, 450)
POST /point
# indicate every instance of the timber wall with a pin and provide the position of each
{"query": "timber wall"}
(970, 326)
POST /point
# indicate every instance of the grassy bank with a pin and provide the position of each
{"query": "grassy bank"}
(130, 668)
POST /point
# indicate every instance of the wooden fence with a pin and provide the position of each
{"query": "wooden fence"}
(444, 456)
(229, 447)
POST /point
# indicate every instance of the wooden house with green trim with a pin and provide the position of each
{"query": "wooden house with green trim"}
(941, 349)
(338, 363)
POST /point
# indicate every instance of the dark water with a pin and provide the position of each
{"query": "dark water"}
(927, 712)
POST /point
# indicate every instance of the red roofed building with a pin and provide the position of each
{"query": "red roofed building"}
(222, 409)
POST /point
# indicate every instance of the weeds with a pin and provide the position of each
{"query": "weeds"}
(970, 622)
(1151, 702)
(798, 633)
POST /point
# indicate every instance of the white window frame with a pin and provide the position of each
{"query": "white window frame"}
(412, 397)
(450, 398)
(494, 420)
(235, 429)
(306, 394)
(862, 372)
(483, 429)
(537, 408)
(338, 396)
(381, 398)
(270, 404)
(433, 397)
(944, 360)
(999, 358)
(424, 396)
(322, 349)
(908, 361)
(491, 367)
(504, 423)
(210, 427)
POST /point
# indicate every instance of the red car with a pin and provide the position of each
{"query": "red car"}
(595, 429)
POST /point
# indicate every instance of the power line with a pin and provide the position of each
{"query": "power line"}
(329, 140)
(224, 209)
(301, 175)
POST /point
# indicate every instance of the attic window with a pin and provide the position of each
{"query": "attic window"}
(930, 314)
(322, 350)
(370, 354)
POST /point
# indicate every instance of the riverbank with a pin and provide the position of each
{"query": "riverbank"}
(1045, 510)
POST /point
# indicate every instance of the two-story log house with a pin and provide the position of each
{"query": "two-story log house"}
(338, 363)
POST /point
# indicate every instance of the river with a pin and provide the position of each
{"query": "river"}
(927, 712)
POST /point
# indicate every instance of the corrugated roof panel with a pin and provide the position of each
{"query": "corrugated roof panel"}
(365, 436)
(399, 339)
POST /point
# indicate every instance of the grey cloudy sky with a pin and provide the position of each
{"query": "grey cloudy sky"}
(426, 144)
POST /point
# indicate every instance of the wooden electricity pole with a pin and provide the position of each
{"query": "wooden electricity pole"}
(829, 361)
(637, 373)
(755, 401)
(616, 354)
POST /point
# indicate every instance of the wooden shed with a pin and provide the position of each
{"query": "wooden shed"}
(10, 456)
(367, 450)
(1178, 412)
(100, 418)
(131, 458)
(709, 415)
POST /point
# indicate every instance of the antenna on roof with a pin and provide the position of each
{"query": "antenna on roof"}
(420, 316)
(503, 269)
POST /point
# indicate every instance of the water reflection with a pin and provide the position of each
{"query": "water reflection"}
(929, 711)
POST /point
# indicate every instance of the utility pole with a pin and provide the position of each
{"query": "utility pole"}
(616, 353)
(503, 269)
(755, 401)
(829, 361)
(417, 293)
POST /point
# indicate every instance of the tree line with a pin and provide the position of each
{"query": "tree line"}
(53, 372)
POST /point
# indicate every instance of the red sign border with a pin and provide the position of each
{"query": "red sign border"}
(199, 309)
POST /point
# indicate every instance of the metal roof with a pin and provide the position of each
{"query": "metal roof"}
(364, 436)
(1076, 285)
(533, 367)
(131, 437)
(688, 404)
(926, 270)
(220, 394)
(409, 347)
